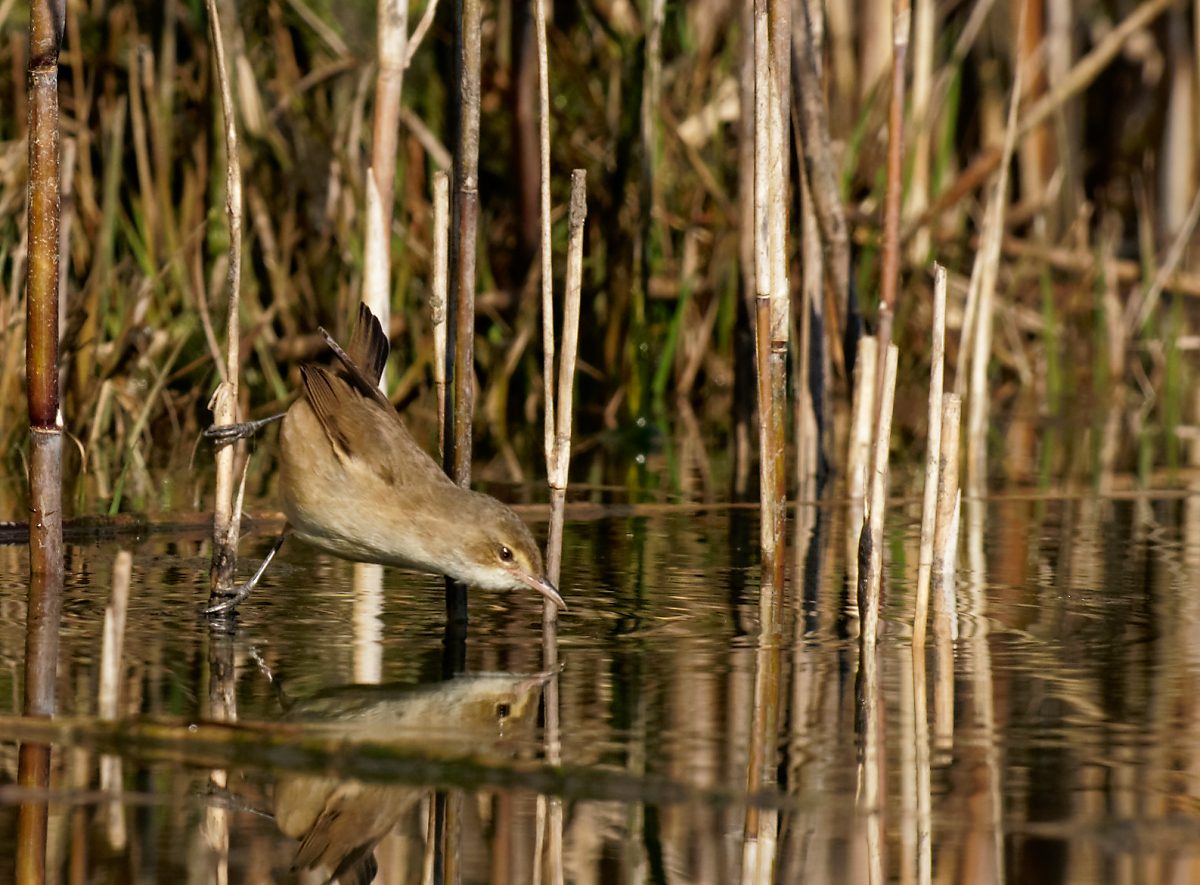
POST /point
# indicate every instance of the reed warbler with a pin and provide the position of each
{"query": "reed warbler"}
(355, 483)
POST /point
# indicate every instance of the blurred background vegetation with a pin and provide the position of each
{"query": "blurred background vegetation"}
(1100, 191)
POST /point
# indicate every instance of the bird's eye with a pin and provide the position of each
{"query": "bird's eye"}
(506, 554)
(502, 711)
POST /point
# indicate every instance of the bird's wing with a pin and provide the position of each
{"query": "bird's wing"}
(368, 345)
(363, 364)
(362, 430)
(323, 390)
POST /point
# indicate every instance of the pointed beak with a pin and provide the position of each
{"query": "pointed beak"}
(542, 586)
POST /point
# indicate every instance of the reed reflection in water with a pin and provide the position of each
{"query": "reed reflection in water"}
(1060, 735)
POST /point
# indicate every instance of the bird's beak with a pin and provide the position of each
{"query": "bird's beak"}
(544, 587)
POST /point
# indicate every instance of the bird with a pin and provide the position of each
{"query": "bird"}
(486, 717)
(356, 484)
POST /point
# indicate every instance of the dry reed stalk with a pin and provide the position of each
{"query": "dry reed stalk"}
(226, 511)
(771, 33)
(987, 263)
(858, 457)
(392, 53)
(893, 196)
(945, 534)
(44, 608)
(771, 60)
(559, 456)
(392, 56)
(924, 42)
(871, 545)
(933, 452)
(438, 295)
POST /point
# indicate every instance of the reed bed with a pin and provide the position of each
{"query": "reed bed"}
(146, 246)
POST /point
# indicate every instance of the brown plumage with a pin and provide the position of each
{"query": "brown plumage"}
(356, 483)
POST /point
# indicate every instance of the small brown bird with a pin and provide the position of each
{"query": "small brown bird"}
(486, 717)
(356, 484)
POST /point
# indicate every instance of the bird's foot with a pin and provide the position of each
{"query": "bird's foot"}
(224, 434)
(234, 600)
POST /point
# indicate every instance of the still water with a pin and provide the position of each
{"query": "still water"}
(1058, 741)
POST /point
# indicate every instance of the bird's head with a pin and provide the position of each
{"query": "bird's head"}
(497, 552)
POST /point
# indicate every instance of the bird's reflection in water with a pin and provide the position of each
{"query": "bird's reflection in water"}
(339, 822)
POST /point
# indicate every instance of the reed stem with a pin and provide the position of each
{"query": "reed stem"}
(44, 608)
(933, 451)
(226, 511)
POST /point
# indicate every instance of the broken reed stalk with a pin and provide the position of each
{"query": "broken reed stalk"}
(558, 460)
(946, 531)
(558, 468)
(463, 231)
(44, 610)
(392, 49)
(932, 458)
(438, 295)
(871, 544)
(227, 511)
(894, 195)
(859, 455)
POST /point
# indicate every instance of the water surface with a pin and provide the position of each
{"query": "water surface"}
(1060, 732)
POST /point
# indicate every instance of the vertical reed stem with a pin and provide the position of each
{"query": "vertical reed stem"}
(44, 610)
(547, 271)
(461, 343)
(464, 226)
(227, 512)
(438, 293)
(464, 223)
(944, 539)
(890, 274)
(870, 584)
(862, 413)
(932, 458)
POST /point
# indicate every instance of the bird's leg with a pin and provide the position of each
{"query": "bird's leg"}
(243, 591)
(224, 434)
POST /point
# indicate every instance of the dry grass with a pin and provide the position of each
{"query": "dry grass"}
(147, 239)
